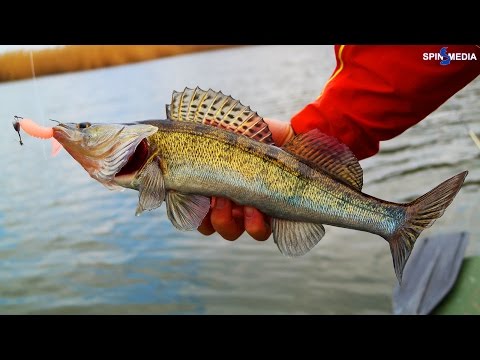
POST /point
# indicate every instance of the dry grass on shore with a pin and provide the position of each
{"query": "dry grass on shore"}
(16, 65)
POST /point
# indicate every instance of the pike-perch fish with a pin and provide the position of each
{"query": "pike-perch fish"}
(212, 145)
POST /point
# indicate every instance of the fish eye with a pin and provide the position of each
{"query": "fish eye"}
(83, 125)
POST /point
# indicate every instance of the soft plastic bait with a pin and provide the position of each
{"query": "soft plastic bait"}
(35, 130)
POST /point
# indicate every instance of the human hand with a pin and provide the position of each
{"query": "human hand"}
(231, 220)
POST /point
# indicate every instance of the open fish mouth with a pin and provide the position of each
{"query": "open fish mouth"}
(136, 160)
(106, 150)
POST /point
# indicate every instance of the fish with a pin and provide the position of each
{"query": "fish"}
(210, 144)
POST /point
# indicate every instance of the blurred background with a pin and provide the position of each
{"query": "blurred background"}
(69, 245)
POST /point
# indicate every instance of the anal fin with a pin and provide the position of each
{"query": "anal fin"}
(295, 238)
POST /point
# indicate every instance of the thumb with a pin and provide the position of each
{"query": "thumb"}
(282, 131)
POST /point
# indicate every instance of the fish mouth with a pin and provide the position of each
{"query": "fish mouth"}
(136, 160)
(62, 132)
(107, 151)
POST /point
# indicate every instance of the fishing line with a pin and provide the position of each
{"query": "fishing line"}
(37, 99)
(475, 138)
(472, 135)
(470, 132)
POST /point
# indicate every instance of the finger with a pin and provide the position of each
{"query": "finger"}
(256, 224)
(206, 227)
(282, 131)
(223, 221)
(237, 211)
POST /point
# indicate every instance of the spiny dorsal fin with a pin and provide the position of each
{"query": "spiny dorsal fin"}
(327, 153)
(219, 110)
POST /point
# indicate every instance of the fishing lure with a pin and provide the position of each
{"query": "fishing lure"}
(35, 130)
(16, 126)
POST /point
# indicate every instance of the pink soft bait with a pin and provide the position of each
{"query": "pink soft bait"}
(35, 130)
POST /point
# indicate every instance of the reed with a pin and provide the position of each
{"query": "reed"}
(16, 65)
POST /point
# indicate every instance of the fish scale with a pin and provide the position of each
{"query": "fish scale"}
(249, 172)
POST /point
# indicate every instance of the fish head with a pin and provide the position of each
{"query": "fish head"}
(107, 151)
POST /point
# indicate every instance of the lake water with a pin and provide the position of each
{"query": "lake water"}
(69, 245)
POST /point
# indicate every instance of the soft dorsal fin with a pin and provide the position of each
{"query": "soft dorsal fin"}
(219, 110)
(327, 153)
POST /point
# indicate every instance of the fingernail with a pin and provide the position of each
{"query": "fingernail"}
(248, 211)
(220, 203)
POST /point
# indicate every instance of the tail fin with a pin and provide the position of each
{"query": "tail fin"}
(422, 213)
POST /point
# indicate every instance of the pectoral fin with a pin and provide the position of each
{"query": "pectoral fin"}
(295, 238)
(151, 188)
(186, 211)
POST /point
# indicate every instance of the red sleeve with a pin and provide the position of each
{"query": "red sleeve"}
(378, 92)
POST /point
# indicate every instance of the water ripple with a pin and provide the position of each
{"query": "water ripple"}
(70, 246)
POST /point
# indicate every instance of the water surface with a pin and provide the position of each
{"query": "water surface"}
(69, 245)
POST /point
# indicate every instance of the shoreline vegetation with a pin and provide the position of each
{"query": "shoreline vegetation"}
(16, 65)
